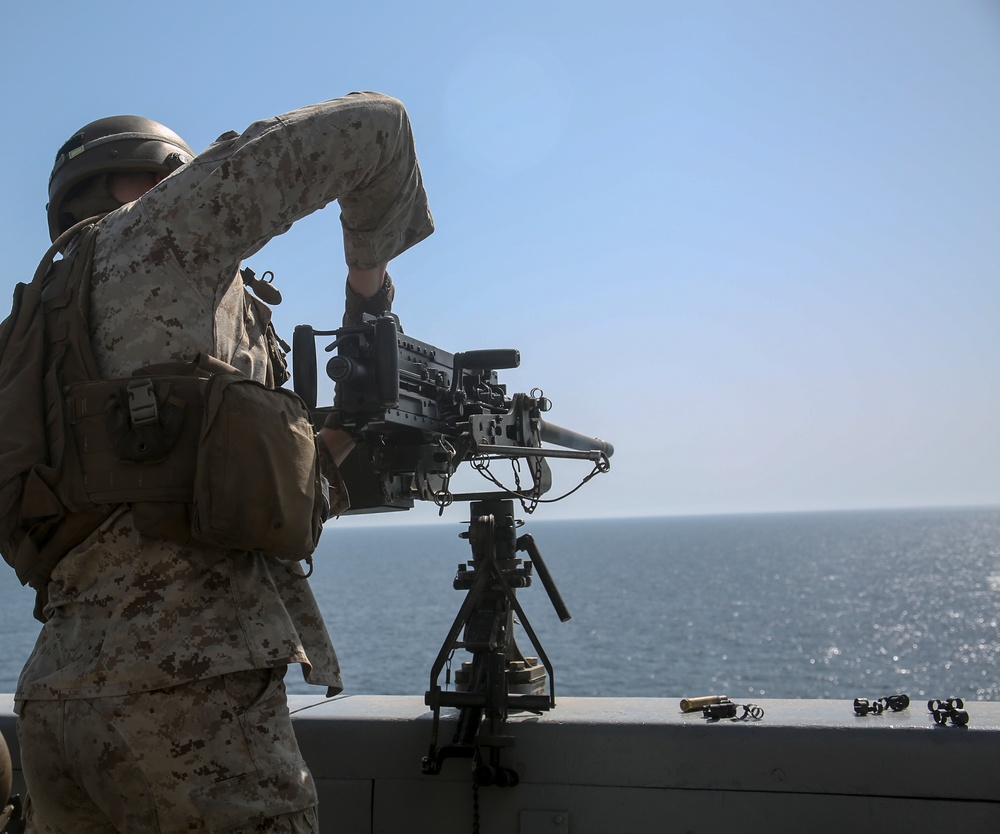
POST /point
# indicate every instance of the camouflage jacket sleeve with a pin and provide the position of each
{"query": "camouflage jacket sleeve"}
(166, 283)
(247, 188)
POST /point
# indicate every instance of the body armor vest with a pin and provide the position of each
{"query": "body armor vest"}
(74, 446)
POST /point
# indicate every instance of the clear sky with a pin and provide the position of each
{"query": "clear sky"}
(754, 244)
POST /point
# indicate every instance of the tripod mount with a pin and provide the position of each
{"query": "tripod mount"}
(498, 679)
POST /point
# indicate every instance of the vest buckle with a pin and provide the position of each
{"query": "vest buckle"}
(142, 407)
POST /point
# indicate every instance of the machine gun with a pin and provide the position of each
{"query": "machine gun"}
(418, 412)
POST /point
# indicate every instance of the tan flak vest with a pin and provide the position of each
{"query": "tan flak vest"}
(202, 453)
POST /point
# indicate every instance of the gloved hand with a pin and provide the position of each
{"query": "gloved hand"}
(378, 304)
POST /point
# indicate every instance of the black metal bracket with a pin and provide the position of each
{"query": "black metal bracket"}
(498, 679)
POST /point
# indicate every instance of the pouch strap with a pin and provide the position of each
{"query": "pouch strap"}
(163, 467)
(142, 408)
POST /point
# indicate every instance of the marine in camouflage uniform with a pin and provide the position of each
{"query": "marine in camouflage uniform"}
(153, 699)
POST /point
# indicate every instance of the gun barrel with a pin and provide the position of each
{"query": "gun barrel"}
(551, 433)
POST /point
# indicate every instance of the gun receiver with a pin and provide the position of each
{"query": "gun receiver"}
(417, 412)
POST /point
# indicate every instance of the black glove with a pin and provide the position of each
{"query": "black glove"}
(377, 305)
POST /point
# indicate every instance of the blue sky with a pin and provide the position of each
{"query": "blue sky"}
(753, 244)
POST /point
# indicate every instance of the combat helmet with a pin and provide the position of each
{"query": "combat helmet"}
(115, 143)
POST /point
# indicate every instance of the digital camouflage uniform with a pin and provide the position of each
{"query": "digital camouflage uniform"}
(153, 700)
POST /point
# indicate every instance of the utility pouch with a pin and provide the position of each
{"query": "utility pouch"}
(137, 441)
(137, 438)
(257, 481)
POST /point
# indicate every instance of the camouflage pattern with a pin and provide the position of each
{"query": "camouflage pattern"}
(165, 282)
(213, 755)
(127, 614)
(130, 618)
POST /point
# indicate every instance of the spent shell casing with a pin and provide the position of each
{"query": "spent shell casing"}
(694, 704)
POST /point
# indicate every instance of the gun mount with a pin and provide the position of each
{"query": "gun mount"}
(418, 412)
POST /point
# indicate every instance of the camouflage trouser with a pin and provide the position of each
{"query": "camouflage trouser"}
(213, 755)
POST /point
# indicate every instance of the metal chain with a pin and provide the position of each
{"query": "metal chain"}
(530, 501)
(475, 807)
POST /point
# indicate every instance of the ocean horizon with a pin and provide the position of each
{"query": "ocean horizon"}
(821, 604)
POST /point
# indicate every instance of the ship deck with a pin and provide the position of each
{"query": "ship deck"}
(638, 765)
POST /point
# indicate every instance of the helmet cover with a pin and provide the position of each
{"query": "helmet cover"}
(115, 143)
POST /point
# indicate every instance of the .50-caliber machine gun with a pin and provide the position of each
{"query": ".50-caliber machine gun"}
(418, 412)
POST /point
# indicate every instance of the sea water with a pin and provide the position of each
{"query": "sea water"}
(804, 605)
